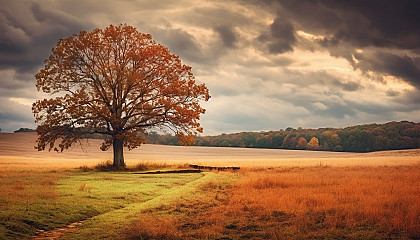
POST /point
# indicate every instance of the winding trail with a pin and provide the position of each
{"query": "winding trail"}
(57, 233)
(125, 214)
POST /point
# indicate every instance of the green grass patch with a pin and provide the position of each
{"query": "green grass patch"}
(166, 189)
(48, 200)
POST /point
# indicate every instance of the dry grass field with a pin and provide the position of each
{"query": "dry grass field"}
(17, 151)
(297, 203)
(277, 194)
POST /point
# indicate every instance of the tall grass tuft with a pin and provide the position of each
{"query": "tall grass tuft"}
(145, 166)
(106, 166)
(85, 168)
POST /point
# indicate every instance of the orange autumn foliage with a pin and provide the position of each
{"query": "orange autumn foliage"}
(301, 143)
(116, 82)
(313, 144)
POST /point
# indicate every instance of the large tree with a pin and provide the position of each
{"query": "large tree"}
(117, 82)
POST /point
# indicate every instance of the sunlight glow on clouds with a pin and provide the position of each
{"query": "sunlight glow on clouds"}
(309, 36)
(22, 101)
(397, 84)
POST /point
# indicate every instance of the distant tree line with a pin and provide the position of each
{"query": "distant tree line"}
(24, 130)
(360, 138)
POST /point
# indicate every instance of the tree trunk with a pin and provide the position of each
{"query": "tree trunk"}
(118, 153)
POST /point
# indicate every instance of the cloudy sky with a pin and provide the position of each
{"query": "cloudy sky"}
(268, 64)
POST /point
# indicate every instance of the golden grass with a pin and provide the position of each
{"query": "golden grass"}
(154, 227)
(192, 219)
(296, 203)
(28, 187)
(144, 166)
(346, 197)
(17, 152)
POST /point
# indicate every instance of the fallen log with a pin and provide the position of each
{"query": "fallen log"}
(214, 168)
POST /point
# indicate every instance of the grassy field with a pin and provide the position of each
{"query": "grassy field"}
(276, 194)
(49, 200)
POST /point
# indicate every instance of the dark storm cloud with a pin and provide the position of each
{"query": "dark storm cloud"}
(391, 23)
(280, 38)
(350, 25)
(28, 31)
(381, 24)
(362, 23)
(27, 38)
(227, 34)
(403, 67)
(181, 43)
(218, 19)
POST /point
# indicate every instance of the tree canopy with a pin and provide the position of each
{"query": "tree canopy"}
(117, 82)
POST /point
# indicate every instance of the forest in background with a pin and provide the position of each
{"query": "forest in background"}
(360, 138)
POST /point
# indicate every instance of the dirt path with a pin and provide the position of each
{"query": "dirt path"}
(57, 233)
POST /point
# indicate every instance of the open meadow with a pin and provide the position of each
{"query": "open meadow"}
(277, 194)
